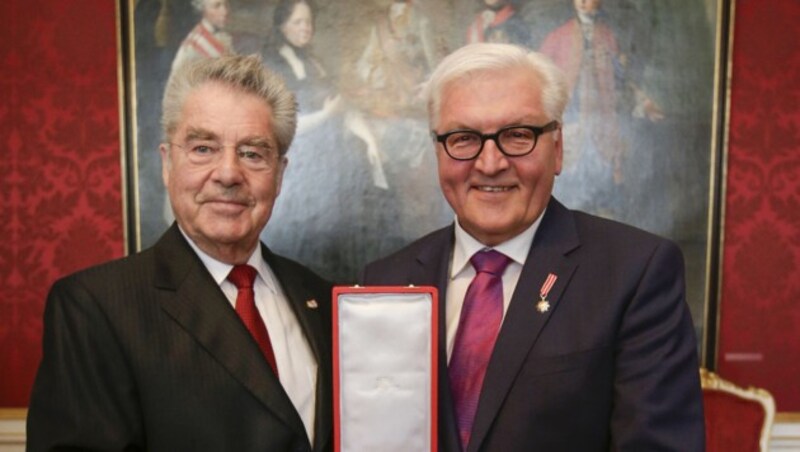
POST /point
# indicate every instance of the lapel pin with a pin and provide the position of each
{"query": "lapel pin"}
(543, 305)
(312, 304)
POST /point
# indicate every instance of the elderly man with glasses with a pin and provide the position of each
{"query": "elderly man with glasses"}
(207, 340)
(559, 330)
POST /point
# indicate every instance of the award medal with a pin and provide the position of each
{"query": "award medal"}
(543, 305)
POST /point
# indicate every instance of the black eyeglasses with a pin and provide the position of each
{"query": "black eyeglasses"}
(513, 141)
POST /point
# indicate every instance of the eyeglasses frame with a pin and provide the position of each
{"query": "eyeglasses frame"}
(218, 148)
(537, 132)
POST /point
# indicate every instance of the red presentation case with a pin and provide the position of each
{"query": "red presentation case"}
(385, 361)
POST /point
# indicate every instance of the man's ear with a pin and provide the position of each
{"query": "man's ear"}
(166, 164)
(558, 142)
(282, 163)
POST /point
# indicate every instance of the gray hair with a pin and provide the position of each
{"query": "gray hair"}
(245, 73)
(479, 58)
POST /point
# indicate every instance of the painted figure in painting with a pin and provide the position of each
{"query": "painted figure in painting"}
(334, 156)
(499, 21)
(390, 74)
(385, 84)
(398, 56)
(602, 97)
(208, 39)
(289, 54)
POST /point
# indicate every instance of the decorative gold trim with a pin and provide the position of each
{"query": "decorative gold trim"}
(788, 417)
(724, 180)
(134, 119)
(716, 178)
(123, 126)
(13, 413)
(130, 6)
(134, 124)
(710, 381)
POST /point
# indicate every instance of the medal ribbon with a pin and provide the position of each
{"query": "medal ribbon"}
(548, 284)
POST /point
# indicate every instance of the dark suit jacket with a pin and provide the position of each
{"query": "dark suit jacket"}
(611, 366)
(146, 353)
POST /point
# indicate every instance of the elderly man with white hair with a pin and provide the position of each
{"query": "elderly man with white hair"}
(559, 330)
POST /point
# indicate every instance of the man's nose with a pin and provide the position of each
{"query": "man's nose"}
(491, 160)
(229, 170)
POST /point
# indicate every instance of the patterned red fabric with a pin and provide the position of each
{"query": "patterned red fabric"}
(759, 310)
(732, 423)
(60, 173)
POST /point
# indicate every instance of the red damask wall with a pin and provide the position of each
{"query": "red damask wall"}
(60, 202)
(60, 182)
(760, 304)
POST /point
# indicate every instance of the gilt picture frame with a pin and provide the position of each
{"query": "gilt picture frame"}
(642, 135)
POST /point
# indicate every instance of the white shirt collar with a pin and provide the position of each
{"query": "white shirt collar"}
(516, 248)
(587, 19)
(297, 65)
(219, 270)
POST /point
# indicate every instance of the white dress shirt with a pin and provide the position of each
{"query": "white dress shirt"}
(297, 366)
(462, 272)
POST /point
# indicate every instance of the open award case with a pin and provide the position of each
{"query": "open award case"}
(385, 345)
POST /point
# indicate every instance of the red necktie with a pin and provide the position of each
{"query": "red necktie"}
(242, 276)
(478, 326)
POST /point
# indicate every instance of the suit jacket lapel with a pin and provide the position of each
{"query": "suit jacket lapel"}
(318, 334)
(523, 323)
(195, 301)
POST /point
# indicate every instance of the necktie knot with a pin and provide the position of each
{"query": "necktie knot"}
(490, 261)
(242, 276)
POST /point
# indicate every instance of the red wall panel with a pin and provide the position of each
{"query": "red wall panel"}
(60, 174)
(759, 341)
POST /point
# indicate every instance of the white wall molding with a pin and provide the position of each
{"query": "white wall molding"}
(785, 435)
(12, 433)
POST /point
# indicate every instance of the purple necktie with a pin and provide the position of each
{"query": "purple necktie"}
(480, 320)
(243, 276)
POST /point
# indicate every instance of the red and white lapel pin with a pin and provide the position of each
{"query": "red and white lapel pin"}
(543, 305)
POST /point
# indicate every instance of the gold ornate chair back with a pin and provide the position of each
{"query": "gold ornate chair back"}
(737, 419)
